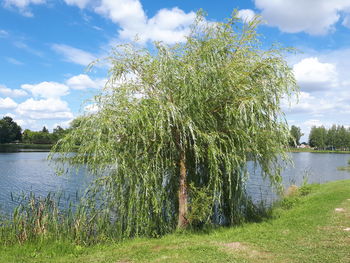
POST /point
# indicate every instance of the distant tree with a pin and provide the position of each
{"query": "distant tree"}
(58, 133)
(332, 137)
(296, 134)
(43, 136)
(318, 137)
(10, 131)
(45, 130)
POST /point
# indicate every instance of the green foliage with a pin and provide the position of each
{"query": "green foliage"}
(295, 195)
(43, 136)
(296, 134)
(42, 218)
(335, 138)
(215, 100)
(200, 207)
(344, 168)
(10, 131)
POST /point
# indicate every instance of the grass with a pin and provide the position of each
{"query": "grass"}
(315, 151)
(9, 147)
(305, 228)
(344, 168)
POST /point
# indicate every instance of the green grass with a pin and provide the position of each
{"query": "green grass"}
(344, 168)
(304, 229)
(9, 147)
(296, 150)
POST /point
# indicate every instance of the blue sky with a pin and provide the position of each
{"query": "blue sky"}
(45, 46)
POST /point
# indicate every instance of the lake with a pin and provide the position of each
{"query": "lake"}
(23, 172)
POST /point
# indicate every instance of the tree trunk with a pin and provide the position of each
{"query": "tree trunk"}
(182, 221)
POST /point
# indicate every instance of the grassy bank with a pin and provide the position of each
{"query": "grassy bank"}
(304, 229)
(297, 150)
(25, 147)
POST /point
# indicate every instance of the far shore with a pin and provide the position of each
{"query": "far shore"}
(315, 151)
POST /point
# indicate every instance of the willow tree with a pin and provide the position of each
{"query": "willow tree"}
(183, 119)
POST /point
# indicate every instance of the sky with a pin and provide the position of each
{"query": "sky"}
(46, 46)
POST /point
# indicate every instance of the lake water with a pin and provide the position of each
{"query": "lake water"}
(23, 172)
(309, 167)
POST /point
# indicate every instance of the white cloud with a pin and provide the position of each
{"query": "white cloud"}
(83, 81)
(80, 3)
(168, 25)
(310, 105)
(7, 103)
(74, 55)
(127, 13)
(325, 83)
(49, 109)
(316, 17)
(63, 124)
(25, 47)
(22, 5)
(313, 75)
(47, 89)
(28, 123)
(12, 92)
(346, 21)
(246, 15)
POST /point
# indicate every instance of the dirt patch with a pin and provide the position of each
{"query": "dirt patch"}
(339, 210)
(248, 251)
(235, 245)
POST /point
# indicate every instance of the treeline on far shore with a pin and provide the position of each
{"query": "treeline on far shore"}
(11, 132)
(336, 138)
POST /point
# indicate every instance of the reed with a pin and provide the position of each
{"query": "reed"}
(91, 221)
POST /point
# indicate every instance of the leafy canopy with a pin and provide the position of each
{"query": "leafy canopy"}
(216, 98)
(10, 131)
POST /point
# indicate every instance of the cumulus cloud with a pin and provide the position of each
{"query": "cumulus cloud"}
(168, 25)
(23, 5)
(325, 89)
(127, 13)
(7, 103)
(75, 55)
(246, 15)
(47, 89)
(313, 75)
(83, 81)
(12, 92)
(311, 105)
(316, 17)
(49, 109)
